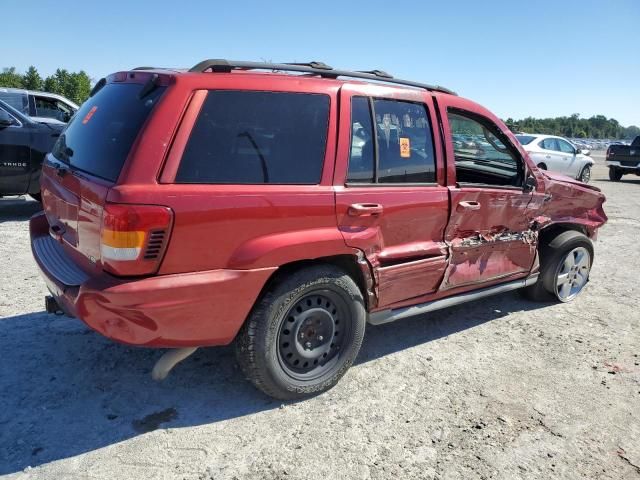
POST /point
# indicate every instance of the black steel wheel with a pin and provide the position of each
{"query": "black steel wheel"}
(311, 334)
(303, 334)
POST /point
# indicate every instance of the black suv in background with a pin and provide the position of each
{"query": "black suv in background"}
(23, 145)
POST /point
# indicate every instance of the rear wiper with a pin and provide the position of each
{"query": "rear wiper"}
(149, 87)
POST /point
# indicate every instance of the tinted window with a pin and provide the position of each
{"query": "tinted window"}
(361, 157)
(403, 138)
(525, 139)
(18, 100)
(405, 147)
(99, 137)
(482, 155)
(247, 137)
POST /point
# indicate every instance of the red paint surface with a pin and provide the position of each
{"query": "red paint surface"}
(227, 240)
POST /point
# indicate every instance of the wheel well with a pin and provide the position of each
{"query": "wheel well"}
(348, 263)
(549, 233)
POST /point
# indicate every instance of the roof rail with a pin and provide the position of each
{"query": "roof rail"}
(316, 68)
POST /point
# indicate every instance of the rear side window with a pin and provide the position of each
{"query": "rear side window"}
(18, 100)
(100, 135)
(249, 137)
(525, 139)
(399, 149)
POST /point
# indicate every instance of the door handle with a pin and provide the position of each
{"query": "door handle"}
(61, 171)
(365, 209)
(468, 206)
(548, 156)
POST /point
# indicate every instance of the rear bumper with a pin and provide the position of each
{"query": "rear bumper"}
(627, 167)
(190, 309)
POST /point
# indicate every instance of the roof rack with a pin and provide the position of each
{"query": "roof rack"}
(316, 68)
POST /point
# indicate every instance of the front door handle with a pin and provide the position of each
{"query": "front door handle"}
(468, 206)
(365, 209)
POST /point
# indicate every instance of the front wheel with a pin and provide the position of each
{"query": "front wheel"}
(614, 174)
(585, 175)
(565, 264)
(303, 334)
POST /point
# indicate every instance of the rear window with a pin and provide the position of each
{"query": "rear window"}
(525, 139)
(99, 137)
(248, 137)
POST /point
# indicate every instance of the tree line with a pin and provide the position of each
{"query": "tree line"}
(73, 85)
(597, 126)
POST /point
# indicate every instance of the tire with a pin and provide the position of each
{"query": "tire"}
(555, 259)
(614, 174)
(303, 334)
(585, 175)
(36, 196)
(542, 166)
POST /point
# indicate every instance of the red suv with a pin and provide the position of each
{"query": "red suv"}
(284, 206)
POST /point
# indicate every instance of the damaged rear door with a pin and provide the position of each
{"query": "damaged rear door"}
(488, 233)
(389, 203)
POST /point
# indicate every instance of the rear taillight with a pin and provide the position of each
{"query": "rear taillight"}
(133, 238)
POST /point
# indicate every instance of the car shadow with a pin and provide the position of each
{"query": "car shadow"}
(65, 390)
(18, 208)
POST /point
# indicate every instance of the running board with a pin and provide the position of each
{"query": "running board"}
(386, 316)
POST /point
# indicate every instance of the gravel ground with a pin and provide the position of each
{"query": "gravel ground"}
(500, 388)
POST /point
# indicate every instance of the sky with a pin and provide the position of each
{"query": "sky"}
(541, 58)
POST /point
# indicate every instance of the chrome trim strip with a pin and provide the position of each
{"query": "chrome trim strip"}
(386, 316)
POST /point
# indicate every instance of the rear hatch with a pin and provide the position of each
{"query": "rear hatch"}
(87, 159)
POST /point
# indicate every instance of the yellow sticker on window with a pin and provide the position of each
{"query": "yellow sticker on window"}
(405, 147)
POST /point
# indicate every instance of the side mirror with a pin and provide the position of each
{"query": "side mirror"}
(530, 184)
(6, 120)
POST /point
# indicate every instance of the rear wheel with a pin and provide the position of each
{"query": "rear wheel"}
(614, 174)
(304, 334)
(585, 175)
(565, 264)
(542, 166)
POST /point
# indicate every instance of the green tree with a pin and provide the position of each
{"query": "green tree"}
(10, 78)
(80, 87)
(32, 79)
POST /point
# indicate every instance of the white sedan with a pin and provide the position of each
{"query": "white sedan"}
(558, 155)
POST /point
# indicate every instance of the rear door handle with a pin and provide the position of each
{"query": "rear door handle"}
(468, 206)
(365, 209)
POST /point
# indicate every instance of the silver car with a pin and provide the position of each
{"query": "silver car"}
(42, 107)
(557, 154)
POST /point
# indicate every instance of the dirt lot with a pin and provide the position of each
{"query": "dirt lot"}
(501, 388)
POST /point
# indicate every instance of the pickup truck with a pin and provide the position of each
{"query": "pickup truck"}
(623, 159)
(23, 145)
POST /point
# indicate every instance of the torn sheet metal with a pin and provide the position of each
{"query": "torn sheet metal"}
(480, 238)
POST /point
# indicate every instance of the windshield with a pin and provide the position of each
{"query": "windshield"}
(525, 139)
(99, 137)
